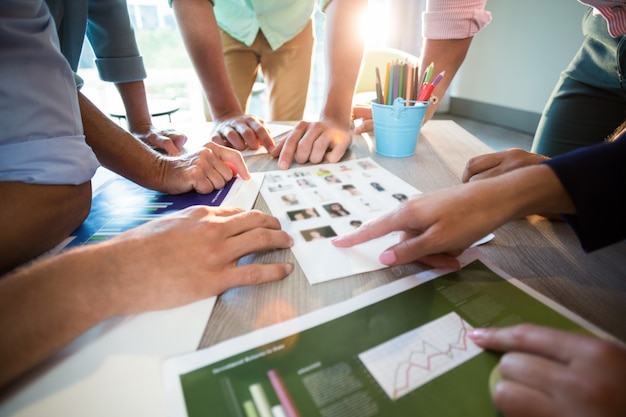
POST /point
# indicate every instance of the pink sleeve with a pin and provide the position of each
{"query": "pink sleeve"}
(454, 19)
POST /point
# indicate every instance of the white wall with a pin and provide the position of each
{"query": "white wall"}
(516, 60)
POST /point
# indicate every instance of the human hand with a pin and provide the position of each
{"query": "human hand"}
(436, 227)
(313, 142)
(365, 114)
(188, 256)
(242, 132)
(169, 140)
(497, 163)
(204, 170)
(548, 372)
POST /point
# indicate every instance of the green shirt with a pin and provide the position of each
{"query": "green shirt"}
(279, 20)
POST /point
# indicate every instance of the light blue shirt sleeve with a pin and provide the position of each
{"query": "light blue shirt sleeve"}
(106, 23)
(41, 140)
(112, 38)
(279, 20)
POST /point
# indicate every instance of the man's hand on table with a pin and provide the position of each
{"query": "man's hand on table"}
(365, 115)
(204, 170)
(313, 142)
(190, 255)
(497, 163)
(242, 132)
(549, 372)
(168, 141)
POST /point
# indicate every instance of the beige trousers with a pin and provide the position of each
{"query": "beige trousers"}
(286, 72)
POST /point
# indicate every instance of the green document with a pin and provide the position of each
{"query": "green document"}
(404, 355)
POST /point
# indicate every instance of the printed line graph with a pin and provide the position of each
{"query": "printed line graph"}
(404, 363)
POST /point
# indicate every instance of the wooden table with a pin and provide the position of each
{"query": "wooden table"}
(543, 254)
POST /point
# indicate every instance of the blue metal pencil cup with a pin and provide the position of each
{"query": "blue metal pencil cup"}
(397, 126)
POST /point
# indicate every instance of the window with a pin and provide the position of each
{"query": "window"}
(171, 74)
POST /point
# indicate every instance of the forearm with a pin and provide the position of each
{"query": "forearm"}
(594, 177)
(27, 230)
(200, 34)
(112, 38)
(133, 96)
(46, 305)
(522, 192)
(458, 216)
(446, 55)
(120, 151)
(344, 49)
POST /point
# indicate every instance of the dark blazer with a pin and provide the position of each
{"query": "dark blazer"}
(595, 178)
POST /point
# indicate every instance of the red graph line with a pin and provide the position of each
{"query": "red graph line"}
(427, 367)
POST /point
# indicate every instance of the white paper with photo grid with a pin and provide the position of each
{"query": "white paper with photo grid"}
(329, 199)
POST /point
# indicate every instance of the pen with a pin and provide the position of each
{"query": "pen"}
(428, 87)
(415, 84)
(409, 82)
(386, 92)
(428, 73)
(379, 90)
(401, 80)
(438, 78)
(394, 88)
(425, 92)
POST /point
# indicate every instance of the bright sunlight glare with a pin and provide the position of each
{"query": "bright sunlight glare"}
(375, 27)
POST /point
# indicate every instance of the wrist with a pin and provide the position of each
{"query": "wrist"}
(140, 129)
(104, 269)
(75, 282)
(338, 119)
(223, 104)
(94, 266)
(533, 189)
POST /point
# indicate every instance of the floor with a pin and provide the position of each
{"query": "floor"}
(496, 137)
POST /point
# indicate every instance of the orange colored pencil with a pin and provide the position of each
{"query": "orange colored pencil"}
(386, 85)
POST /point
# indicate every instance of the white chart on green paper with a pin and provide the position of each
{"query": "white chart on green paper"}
(406, 362)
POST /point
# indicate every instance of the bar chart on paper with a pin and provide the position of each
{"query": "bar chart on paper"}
(406, 362)
(122, 205)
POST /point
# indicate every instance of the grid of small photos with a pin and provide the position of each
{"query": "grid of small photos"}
(318, 202)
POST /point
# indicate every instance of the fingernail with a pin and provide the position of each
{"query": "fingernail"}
(388, 257)
(283, 165)
(336, 241)
(476, 334)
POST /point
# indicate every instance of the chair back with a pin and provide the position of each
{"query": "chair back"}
(379, 57)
